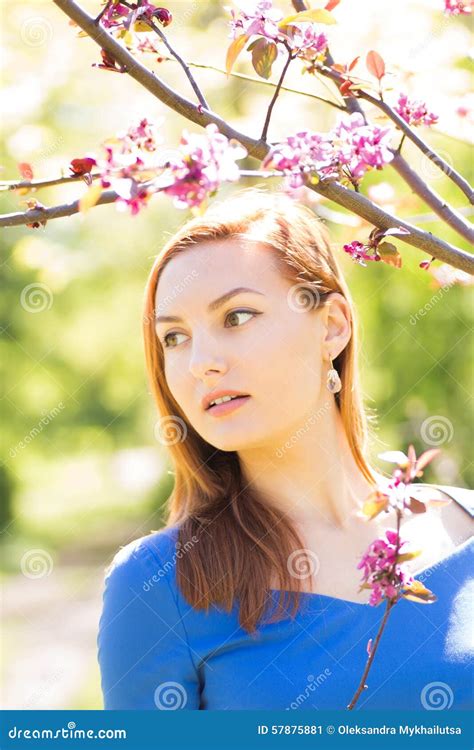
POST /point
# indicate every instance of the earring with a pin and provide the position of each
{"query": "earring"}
(333, 382)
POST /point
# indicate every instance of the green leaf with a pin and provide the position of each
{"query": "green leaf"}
(234, 51)
(320, 15)
(264, 54)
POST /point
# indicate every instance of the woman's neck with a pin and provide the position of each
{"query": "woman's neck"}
(310, 474)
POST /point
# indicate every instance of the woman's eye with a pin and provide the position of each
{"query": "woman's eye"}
(232, 315)
(171, 335)
(239, 312)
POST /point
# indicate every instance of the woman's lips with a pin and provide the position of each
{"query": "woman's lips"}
(228, 406)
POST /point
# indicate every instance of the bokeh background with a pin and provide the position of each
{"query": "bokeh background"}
(81, 471)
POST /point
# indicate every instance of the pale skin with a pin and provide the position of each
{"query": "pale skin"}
(289, 435)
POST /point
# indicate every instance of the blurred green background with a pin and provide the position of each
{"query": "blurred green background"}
(81, 472)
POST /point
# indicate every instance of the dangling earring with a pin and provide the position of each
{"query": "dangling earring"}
(333, 382)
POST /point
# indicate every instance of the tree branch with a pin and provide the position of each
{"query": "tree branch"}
(185, 67)
(355, 202)
(275, 96)
(453, 218)
(148, 79)
(449, 215)
(38, 184)
(425, 241)
(449, 171)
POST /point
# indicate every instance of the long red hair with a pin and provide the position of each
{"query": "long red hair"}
(242, 541)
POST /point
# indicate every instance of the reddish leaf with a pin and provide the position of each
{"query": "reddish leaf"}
(346, 88)
(416, 506)
(332, 4)
(338, 67)
(354, 62)
(375, 64)
(26, 170)
(81, 167)
(426, 457)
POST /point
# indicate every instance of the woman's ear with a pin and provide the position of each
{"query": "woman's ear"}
(337, 327)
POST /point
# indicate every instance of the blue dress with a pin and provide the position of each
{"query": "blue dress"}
(156, 652)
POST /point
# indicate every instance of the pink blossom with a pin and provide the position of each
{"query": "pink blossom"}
(351, 145)
(357, 251)
(306, 40)
(303, 152)
(457, 7)
(259, 18)
(380, 572)
(362, 147)
(114, 16)
(203, 162)
(414, 112)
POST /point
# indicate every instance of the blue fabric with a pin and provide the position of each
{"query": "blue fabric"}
(156, 652)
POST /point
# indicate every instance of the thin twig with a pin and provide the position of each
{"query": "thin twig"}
(390, 604)
(38, 184)
(185, 67)
(262, 82)
(275, 96)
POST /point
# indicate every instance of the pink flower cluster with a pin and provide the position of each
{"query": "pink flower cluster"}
(262, 19)
(457, 7)
(358, 252)
(256, 18)
(202, 163)
(380, 572)
(414, 112)
(119, 16)
(135, 169)
(351, 147)
(306, 40)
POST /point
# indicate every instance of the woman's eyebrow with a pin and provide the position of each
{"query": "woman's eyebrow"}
(212, 305)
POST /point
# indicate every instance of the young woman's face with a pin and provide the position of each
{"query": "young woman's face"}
(266, 343)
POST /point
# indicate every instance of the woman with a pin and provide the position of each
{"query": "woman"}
(248, 598)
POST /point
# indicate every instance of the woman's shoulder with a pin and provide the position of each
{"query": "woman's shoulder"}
(151, 555)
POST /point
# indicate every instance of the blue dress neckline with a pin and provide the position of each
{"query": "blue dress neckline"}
(461, 548)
